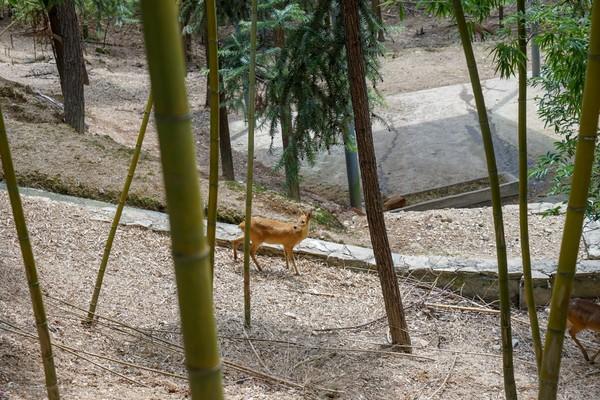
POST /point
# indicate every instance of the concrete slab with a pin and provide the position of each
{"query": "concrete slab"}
(432, 139)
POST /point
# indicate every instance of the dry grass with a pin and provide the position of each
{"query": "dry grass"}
(291, 317)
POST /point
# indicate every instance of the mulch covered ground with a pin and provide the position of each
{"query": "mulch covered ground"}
(319, 335)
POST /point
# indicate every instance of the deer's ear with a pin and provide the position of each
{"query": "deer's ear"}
(308, 214)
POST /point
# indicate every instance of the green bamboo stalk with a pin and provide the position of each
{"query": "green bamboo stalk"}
(584, 159)
(213, 83)
(184, 201)
(507, 358)
(118, 212)
(250, 170)
(35, 292)
(524, 227)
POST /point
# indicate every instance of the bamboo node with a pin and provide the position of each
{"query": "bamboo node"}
(593, 57)
(589, 138)
(555, 330)
(569, 275)
(576, 210)
(204, 372)
(190, 258)
(43, 324)
(172, 119)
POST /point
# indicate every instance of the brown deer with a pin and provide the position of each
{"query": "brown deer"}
(265, 230)
(583, 314)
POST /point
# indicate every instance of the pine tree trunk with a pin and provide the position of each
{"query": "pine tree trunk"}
(186, 39)
(69, 61)
(225, 139)
(377, 10)
(368, 169)
(290, 152)
(352, 168)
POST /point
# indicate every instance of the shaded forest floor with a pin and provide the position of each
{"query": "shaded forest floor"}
(322, 331)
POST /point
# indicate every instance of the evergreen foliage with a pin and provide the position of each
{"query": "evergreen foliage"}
(564, 40)
(308, 73)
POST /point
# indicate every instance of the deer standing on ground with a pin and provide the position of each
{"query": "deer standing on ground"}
(583, 314)
(265, 230)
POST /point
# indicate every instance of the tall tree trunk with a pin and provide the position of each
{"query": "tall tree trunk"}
(178, 158)
(379, 14)
(69, 61)
(370, 181)
(290, 150)
(352, 168)
(215, 113)
(37, 301)
(524, 228)
(250, 166)
(186, 38)
(290, 153)
(225, 137)
(569, 249)
(510, 388)
(535, 58)
(535, 49)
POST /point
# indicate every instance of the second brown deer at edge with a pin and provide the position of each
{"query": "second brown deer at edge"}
(583, 314)
(265, 230)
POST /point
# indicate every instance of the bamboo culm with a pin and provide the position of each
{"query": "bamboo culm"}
(523, 218)
(213, 83)
(569, 249)
(119, 211)
(250, 166)
(184, 201)
(510, 389)
(35, 292)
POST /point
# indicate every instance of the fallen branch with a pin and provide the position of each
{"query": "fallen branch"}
(439, 389)
(18, 331)
(473, 309)
(332, 349)
(54, 102)
(313, 293)
(8, 27)
(230, 364)
(260, 360)
(342, 328)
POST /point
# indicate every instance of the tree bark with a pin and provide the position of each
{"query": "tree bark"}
(69, 61)
(368, 168)
(225, 138)
(377, 10)
(290, 151)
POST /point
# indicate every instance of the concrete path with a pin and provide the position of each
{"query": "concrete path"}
(432, 139)
(470, 277)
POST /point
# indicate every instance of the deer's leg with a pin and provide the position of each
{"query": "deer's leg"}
(294, 261)
(286, 253)
(235, 244)
(253, 249)
(595, 355)
(573, 332)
